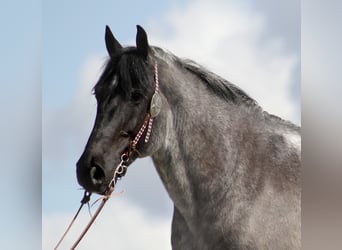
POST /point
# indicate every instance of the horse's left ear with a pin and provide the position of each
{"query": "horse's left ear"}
(141, 41)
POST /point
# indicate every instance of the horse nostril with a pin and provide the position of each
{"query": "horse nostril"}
(97, 174)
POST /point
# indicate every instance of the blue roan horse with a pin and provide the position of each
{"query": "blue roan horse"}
(231, 169)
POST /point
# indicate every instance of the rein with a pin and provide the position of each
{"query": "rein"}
(121, 169)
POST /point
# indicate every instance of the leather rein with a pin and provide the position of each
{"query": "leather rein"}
(121, 169)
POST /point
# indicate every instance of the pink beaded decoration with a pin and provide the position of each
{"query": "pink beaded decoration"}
(156, 92)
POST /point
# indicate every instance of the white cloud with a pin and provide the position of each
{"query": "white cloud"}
(228, 39)
(120, 225)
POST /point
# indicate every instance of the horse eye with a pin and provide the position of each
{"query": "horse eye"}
(136, 97)
(126, 134)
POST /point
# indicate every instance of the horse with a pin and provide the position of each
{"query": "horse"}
(232, 170)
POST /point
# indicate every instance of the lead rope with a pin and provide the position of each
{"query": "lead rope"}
(85, 199)
(121, 169)
(119, 172)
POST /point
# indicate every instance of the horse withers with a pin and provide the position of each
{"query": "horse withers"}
(231, 169)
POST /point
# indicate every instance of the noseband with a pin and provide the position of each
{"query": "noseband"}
(121, 169)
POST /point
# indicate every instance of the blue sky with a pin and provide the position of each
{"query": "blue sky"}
(72, 28)
(20, 124)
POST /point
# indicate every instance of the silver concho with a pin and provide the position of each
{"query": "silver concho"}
(155, 105)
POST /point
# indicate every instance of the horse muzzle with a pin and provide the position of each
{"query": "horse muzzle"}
(92, 175)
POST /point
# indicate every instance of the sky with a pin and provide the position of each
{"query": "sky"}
(20, 126)
(254, 45)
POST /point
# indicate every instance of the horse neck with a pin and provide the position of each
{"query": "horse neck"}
(195, 146)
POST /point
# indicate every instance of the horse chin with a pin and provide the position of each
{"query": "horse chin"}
(98, 189)
(101, 190)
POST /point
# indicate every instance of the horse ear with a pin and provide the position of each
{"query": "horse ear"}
(141, 41)
(113, 46)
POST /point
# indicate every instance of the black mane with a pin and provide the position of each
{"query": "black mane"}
(216, 84)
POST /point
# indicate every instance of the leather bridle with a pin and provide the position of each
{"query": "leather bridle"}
(121, 169)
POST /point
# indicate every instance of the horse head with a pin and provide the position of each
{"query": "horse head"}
(128, 102)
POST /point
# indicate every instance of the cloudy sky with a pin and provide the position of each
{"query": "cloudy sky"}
(254, 44)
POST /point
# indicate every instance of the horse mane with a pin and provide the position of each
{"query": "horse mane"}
(216, 84)
(227, 90)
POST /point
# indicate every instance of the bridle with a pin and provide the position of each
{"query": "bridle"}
(155, 107)
(121, 169)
